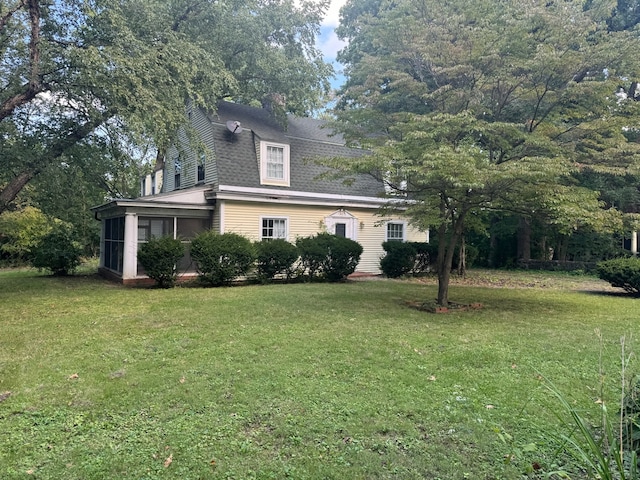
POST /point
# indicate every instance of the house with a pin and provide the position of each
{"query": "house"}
(254, 177)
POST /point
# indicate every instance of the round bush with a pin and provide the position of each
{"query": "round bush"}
(58, 251)
(221, 257)
(329, 256)
(274, 257)
(399, 260)
(621, 272)
(159, 257)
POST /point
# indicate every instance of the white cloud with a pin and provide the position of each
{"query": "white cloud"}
(332, 17)
(329, 43)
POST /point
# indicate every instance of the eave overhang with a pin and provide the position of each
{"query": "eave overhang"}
(275, 196)
(148, 207)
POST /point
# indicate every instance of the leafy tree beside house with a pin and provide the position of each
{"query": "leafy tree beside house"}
(84, 81)
(472, 108)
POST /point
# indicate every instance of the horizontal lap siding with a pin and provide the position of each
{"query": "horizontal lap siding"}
(243, 218)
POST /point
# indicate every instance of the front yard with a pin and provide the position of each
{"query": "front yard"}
(305, 381)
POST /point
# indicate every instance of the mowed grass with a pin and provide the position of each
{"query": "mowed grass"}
(304, 381)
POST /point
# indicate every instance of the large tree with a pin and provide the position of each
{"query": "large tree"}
(470, 108)
(72, 68)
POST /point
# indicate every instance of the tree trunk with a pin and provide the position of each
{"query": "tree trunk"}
(33, 85)
(446, 250)
(13, 188)
(563, 247)
(493, 245)
(462, 257)
(53, 152)
(524, 239)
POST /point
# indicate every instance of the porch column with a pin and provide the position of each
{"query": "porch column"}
(634, 243)
(130, 260)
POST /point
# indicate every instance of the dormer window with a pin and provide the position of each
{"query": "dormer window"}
(274, 164)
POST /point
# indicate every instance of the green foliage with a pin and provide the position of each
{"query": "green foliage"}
(159, 257)
(622, 273)
(128, 66)
(630, 415)
(274, 257)
(20, 232)
(58, 251)
(221, 257)
(329, 256)
(399, 260)
(494, 106)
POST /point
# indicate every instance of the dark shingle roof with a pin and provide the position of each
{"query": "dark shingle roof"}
(238, 161)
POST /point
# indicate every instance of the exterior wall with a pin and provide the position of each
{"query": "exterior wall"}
(245, 218)
(189, 157)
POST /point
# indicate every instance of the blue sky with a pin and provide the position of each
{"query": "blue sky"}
(328, 42)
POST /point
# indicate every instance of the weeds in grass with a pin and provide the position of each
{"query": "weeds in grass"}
(609, 452)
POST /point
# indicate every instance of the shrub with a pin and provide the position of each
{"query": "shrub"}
(20, 232)
(330, 256)
(159, 257)
(399, 260)
(621, 272)
(274, 257)
(221, 257)
(58, 251)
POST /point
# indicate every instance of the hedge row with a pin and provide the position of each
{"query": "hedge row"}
(222, 258)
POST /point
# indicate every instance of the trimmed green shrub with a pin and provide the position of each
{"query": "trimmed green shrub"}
(58, 251)
(312, 255)
(274, 257)
(399, 260)
(220, 258)
(329, 256)
(159, 257)
(621, 272)
(20, 232)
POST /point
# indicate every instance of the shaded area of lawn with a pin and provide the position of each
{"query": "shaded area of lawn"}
(300, 381)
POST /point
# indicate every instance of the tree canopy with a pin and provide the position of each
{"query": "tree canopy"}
(72, 70)
(490, 106)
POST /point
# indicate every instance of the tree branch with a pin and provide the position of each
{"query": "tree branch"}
(34, 85)
(5, 18)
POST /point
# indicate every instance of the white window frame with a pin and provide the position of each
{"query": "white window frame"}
(404, 231)
(265, 179)
(271, 217)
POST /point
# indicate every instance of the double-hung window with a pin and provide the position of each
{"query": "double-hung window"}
(396, 231)
(273, 228)
(274, 168)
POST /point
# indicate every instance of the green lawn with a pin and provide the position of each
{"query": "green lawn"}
(305, 381)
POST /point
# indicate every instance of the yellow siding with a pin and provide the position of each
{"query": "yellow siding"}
(244, 218)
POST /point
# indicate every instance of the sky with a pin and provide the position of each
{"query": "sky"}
(328, 42)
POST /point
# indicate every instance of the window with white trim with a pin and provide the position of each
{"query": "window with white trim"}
(273, 228)
(274, 168)
(395, 231)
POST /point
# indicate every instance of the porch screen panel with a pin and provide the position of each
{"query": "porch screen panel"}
(188, 228)
(114, 243)
(153, 227)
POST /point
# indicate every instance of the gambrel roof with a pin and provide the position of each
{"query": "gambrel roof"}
(308, 138)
